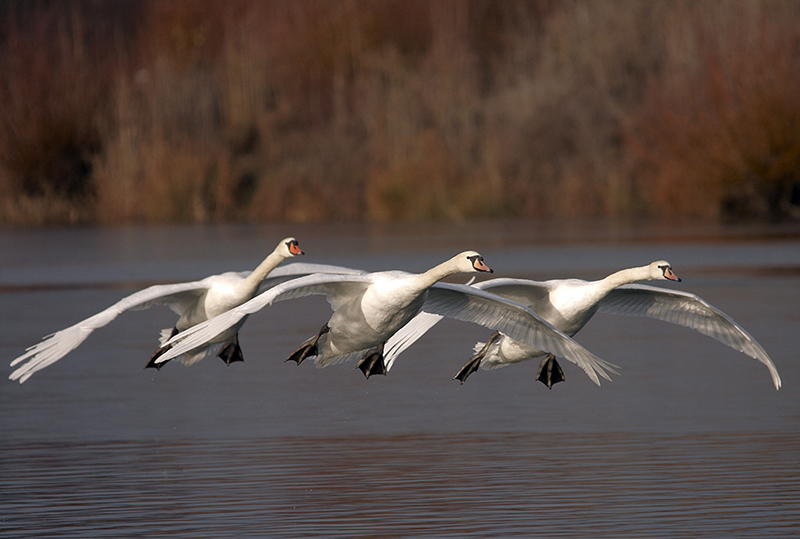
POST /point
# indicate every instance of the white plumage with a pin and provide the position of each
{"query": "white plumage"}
(369, 308)
(569, 304)
(194, 301)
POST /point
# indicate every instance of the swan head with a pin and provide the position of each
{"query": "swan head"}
(471, 262)
(288, 247)
(662, 270)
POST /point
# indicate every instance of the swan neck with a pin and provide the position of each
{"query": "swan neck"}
(262, 270)
(437, 273)
(627, 276)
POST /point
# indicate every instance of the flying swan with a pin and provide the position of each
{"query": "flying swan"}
(194, 301)
(369, 308)
(569, 304)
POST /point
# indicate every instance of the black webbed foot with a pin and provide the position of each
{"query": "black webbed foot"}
(475, 361)
(372, 362)
(231, 352)
(550, 372)
(151, 363)
(309, 348)
(468, 368)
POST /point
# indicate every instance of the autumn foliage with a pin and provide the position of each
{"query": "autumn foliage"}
(197, 110)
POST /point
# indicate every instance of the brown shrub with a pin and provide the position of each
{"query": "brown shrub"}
(53, 95)
(399, 109)
(721, 135)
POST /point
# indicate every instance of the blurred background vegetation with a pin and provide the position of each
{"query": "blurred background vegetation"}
(117, 111)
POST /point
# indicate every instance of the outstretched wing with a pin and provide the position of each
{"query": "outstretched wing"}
(408, 335)
(688, 310)
(284, 273)
(522, 291)
(469, 304)
(336, 287)
(58, 344)
(177, 296)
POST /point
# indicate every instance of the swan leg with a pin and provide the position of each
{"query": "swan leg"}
(372, 362)
(151, 363)
(475, 361)
(309, 348)
(550, 372)
(231, 352)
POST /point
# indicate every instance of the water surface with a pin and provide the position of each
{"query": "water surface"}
(690, 440)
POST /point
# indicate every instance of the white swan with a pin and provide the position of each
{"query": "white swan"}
(194, 301)
(569, 304)
(369, 308)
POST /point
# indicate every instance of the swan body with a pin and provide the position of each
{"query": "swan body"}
(568, 304)
(194, 302)
(368, 309)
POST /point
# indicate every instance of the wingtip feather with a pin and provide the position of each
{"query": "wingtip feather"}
(776, 378)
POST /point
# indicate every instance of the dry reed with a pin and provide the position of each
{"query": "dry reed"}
(314, 110)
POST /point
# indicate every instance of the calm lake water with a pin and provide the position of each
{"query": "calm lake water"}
(690, 440)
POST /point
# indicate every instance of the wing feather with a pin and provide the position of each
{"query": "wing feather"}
(56, 345)
(336, 287)
(177, 296)
(517, 321)
(281, 274)
(522, 291)
(687, 310)
(408, 335)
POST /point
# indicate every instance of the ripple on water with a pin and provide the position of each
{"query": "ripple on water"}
(605, 485)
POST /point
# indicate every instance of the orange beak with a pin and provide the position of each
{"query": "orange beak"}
(479, 265)
(668, 273)
(295, 249)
